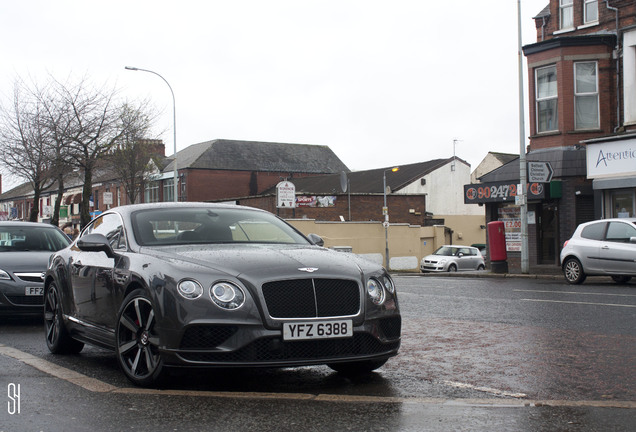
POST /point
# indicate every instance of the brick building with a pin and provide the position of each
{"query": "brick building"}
(582, 120)
(210, 171)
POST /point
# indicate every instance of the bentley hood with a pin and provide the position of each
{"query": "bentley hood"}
(268, 261)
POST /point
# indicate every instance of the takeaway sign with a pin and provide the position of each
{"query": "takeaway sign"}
(480, 193)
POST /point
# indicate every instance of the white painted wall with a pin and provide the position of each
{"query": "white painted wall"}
(444, 191)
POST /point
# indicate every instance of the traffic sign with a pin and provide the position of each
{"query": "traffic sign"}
(539, 172)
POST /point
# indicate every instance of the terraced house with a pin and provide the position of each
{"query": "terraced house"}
(582, 114)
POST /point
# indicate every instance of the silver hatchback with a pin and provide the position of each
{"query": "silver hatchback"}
(451, 258)
(603, 247)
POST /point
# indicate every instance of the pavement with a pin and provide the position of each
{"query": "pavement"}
(540, 271)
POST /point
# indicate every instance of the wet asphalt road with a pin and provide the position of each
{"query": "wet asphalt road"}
(477, 354)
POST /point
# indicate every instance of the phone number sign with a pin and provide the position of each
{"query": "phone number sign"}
(500, 192)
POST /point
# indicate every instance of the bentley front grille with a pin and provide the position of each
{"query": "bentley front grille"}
(312, 298)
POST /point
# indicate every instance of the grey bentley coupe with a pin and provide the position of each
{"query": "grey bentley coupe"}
(208, 285)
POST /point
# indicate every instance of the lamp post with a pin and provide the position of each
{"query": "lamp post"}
(174, 125)
(523, 175)
(385, 212)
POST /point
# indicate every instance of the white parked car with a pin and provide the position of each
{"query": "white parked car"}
(452, 258)
(603, 247)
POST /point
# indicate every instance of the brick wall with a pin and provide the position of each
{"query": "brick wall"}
(363, 208)
(606, 18)
(564, 58)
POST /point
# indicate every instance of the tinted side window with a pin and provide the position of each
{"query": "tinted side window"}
(594, 231)
(112, 227)
(620, 232)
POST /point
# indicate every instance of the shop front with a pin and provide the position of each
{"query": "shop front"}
(611, 164)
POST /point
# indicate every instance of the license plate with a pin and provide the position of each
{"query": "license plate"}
(34, 291)
(317, 330)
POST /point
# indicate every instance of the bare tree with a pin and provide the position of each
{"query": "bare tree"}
(57, 121)
(95, 126)
(25, 142)
(130, 158)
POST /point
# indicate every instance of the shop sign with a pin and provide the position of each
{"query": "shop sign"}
(501, 192)
(611, 159)
(511, 217)
(315, 201)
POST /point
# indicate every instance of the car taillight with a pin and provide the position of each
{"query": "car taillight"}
(566, 243)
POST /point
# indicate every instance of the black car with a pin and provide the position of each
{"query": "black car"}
(25, 249)
(204, 285)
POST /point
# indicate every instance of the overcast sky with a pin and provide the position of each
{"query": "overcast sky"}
(380, 82)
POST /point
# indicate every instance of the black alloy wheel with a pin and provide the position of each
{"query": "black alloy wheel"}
(573, 271)
(137, 343)
(57, 338)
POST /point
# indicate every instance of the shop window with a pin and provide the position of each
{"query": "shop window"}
(168, 190)
(622, 202)
(151, 192)
(547, 99)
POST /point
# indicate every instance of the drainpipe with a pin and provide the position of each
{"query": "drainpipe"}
(543, 29)
(618, 70)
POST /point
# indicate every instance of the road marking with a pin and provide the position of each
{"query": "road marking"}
(95, 385)
(575, 292)
(492, 391)
(580, 303)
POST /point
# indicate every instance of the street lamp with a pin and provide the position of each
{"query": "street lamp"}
(174, 124)
(385, 212)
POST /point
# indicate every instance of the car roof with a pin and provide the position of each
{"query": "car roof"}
(26, 224)
(629, 220)
(127, 210)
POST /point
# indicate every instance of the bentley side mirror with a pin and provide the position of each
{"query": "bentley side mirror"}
(316, 239)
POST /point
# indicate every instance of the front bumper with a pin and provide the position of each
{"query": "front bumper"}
(14, 301)
(237, 345)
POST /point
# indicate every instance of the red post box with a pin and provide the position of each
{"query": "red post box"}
(497, 247)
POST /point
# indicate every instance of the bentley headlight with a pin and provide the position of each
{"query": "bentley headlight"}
(190, 289)
(376, 291)
(388, 284)
(227, 295)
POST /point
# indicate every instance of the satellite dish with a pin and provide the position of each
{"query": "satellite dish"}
(343, 181)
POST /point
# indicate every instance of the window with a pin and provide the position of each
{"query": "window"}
(151, 192)
(111, 227)
(622, 203)
(594, 231)
(590, 11)
(620, 232)
(566, 12)
(586, 96)
(546, 96)
(168, 190)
